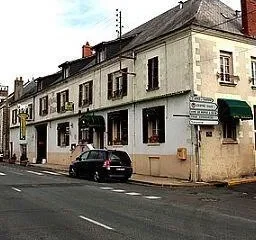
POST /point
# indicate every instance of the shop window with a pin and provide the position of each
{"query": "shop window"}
(118, 128)
(63, 134)
(154, 125)
(229, 129)
(153, 82)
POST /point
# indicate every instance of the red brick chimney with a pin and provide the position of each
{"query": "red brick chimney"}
(248, 8)
(87, 50)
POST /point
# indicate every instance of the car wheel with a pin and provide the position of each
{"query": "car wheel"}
(97, 177)
(73, 172)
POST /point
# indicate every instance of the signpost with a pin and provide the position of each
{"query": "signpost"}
(203, 111)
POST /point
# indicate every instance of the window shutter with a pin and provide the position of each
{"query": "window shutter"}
(90, 92)
(110, 85)
(110, 136)
(80, 100)
(67, 96)
(58, 140)
(150, 74)
(58, 102)
(161, 117)
(40, 106)
(124, 87)
(46, 103)
(155, 72)
(145, 126)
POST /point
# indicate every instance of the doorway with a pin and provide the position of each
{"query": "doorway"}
(41, 142)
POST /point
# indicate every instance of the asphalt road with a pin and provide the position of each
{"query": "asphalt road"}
(35, 204)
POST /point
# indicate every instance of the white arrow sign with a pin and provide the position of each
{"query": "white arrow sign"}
(201, 99)
(204, 117)
(195, 112)
(203, 122)
(203, 106)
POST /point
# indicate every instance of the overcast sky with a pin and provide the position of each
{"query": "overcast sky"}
(38, 35)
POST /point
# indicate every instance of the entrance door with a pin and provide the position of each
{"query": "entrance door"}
(41, 142)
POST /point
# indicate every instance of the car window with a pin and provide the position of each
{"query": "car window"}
(84, 156)
(119, 155)
(97, 155)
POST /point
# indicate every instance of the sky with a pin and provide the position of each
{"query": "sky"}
(36, 36)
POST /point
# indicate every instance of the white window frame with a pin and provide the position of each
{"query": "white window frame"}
(226, 67)
(86, 93)
(153, 128)
(253, 72)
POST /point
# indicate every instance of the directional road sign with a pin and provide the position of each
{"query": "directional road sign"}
(203, 106)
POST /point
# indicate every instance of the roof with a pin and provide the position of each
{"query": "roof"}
(204, 13)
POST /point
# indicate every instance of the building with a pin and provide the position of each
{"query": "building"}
(134, 93)
(4, 121)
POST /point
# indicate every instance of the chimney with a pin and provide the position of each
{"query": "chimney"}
(181, 3)
(18, 88)
(248, 8)
(87, 50)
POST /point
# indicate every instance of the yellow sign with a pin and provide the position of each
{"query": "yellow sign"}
(69, 106)
(23, 118)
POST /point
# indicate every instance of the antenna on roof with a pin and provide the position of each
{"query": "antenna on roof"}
(119, 32)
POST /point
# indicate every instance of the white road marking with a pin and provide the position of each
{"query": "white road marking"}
(17, 173)
(2, 174)
(106, 188)
(16, 189)
(37, 173)
(97, 223)
(52, 173)
(63, 173)
(118, 190)
(152, 197)
(133, 194)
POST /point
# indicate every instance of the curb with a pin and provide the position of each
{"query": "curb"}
(240, 181)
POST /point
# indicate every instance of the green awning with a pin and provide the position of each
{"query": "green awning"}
(92, 121)
(236, 109)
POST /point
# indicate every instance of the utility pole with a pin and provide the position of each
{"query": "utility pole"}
(119, 35)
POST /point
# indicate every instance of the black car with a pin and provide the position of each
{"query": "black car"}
(101, 164)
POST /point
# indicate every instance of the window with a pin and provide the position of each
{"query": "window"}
(85, 94)
(84, 156)
(153, 74)
(229, 129)
(154, 125)
(14, 116)
(65, 72)
(63, 134)
(253, 77)
(226, 68)
(117, 84)
(118, 128)
(43, 106)
(101, 55)
(62, 98)
(29, 111)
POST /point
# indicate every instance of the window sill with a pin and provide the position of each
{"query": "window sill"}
(153, 144)
(227, 84)
(152, 89)
(229, 141)
(117, 146)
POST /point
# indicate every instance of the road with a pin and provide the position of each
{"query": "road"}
(37, 204)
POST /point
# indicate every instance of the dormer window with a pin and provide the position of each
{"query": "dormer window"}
(101, 55)
(65, 72)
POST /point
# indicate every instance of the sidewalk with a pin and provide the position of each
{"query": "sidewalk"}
(140, 179)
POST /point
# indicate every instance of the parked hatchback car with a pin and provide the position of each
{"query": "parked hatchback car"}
(101, 164)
